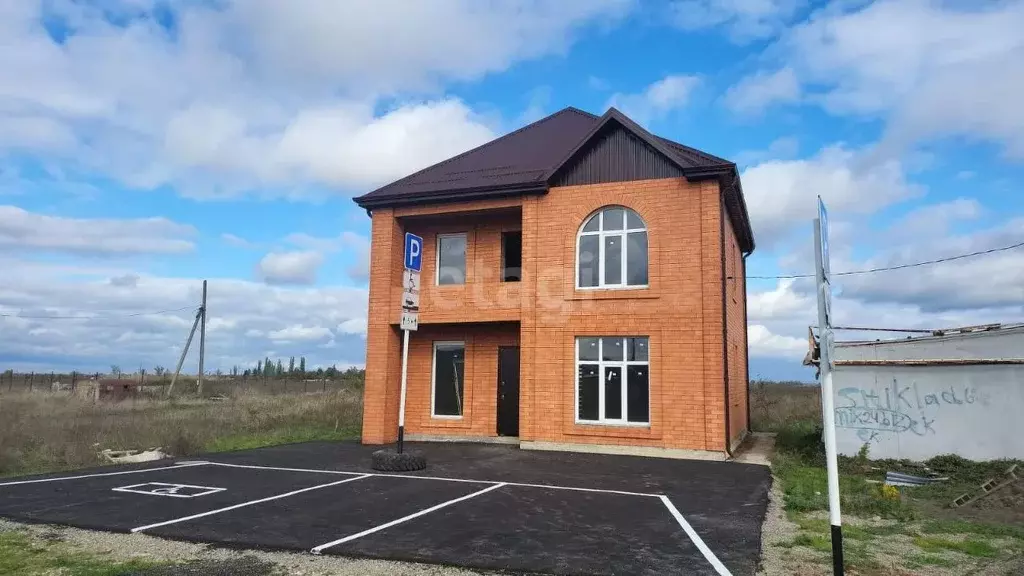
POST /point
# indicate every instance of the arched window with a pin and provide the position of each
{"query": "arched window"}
(611, 250)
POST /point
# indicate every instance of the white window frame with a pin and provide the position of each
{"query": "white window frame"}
(623, 366)
(601, 234)
(437, 258)
(433, 379)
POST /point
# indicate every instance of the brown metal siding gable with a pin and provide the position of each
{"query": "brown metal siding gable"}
(616, 155)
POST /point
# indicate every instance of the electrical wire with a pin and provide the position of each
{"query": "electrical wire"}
(898, 267)
(152, 313)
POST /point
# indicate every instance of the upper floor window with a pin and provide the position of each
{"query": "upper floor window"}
(451, 259)
(611, 250)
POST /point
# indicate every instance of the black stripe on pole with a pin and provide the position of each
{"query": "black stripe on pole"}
(401, 438)
(837, 550)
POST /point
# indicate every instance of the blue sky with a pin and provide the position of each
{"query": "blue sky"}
(146, 145)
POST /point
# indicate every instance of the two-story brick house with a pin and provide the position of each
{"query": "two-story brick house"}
(582, 288)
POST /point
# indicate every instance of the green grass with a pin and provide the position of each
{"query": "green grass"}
(815, 542)
(964, 527)
(23, 556)
(920, 560)
(805, 487)
(276, 437)
(975, 548)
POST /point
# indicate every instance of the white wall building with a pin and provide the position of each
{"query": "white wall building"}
(958, 392)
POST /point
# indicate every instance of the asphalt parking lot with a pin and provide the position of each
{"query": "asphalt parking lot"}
(477, 506)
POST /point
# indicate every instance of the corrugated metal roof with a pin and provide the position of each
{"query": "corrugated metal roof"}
(526, 161)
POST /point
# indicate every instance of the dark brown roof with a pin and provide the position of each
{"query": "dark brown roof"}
(526, 160)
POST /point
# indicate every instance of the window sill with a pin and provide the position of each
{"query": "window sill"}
(443, 417)
(630, 425)
(613, 294)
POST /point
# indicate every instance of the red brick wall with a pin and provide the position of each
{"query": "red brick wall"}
(735, 306)
(681, 312)
(479, 381)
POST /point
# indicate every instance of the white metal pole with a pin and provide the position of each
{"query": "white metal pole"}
(828, 401)
(401, 402)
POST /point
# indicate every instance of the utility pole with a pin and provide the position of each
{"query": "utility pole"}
(202, 341)
(184, 351)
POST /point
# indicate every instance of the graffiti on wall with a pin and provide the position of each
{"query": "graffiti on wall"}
(901, 408)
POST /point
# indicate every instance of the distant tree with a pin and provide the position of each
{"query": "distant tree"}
(246, 373)
(159, 370)
(234, 370)
(280, 369)
(218, 372)
(259, 368)
(302, 365)
(320, 372)
(115, 370)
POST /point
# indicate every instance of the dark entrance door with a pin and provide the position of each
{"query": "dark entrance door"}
(508, 391)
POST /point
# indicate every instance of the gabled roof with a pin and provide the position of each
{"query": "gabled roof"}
(527, 160)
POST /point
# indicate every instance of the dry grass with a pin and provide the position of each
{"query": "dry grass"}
(775, 406)
(42, 432)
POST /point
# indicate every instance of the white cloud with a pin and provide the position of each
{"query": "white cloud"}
(932, 220)
(657, 99)
(256, 94)
(23, 230)
(745, 20)
(353, 326)
(970, 291)
(783, 148)
(299, 333)
(930, 68)
(347, 242)
(781, 194)
(991, 281)
(391, 45)
(299, 267)
(780, 302)
(236, 241)
(763, 343)
(243, 317)
(753, 94)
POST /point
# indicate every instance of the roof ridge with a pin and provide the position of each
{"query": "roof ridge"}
(694, 151)
(480, 147)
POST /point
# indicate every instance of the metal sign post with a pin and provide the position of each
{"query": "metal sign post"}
(410, 316)
(825, 346)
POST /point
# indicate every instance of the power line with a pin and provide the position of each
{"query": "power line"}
(152, 313)
(898, 267)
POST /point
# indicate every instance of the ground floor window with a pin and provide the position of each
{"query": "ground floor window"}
(613, 380)
(447, 381)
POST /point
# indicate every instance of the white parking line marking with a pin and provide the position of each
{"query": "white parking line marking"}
(695, 538)
(103, 474)
(578, 489)
(443, 479)
(253, 467)
(322, 547)
(250, 503)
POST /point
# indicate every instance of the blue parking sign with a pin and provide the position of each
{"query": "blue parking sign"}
(413, 251)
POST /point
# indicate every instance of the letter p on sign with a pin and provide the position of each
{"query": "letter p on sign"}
(413, 251)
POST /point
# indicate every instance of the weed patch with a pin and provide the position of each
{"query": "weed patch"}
(969, 547)
(21, 555)
(42, 432)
